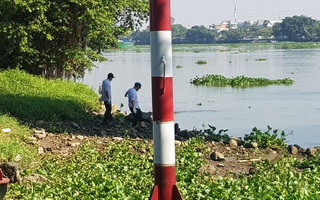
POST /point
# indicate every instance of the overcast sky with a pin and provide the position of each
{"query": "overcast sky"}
(206, 12)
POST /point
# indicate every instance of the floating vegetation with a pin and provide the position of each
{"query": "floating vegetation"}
(201, 62)
(239, 81)
(260, 59)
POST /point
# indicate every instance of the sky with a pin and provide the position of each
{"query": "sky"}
(207, 12)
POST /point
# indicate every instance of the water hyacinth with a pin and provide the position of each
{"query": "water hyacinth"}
(239, 81)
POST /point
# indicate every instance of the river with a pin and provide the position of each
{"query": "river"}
(294, 109)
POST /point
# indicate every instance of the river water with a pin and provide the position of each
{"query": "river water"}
(294, 109)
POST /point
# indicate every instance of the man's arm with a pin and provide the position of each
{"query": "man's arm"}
(107, 95)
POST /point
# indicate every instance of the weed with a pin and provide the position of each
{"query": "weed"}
(201, 62)
(267, 138)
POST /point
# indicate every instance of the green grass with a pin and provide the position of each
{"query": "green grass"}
(12, 144)
(34, 98)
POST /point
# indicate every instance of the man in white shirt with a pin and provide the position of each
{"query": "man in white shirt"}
(106, 97)
(133, 103)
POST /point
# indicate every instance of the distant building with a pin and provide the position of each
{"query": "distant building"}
(227, 24)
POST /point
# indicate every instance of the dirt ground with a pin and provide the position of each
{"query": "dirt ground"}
(224, 159)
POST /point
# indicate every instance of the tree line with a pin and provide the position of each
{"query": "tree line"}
(296, 28)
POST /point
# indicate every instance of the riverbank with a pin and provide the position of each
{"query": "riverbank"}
(61, 149)
(210, 154)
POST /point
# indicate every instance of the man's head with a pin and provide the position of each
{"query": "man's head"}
(137, 85)
(110, 76)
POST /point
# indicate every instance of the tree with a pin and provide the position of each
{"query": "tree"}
(178, 31)
(141, 37)
(200, 35)
(231, 36)
(62, 38)
(296, 28)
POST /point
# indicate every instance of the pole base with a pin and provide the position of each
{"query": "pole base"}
(157, 195)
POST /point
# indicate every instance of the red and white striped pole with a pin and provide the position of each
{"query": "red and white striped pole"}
(162, 102)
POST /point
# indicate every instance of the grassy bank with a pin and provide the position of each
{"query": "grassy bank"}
(123, 169)
(28, 97)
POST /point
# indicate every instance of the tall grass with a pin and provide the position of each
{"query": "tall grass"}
(29, 97)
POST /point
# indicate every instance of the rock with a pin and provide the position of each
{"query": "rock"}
(317, 147)
(207, 169)
(40, 131)
(233, 143)
(177, 143)
(35, 178)
(117, 138)
(293, 150)
(311, 152)
(80, 137)
(250, 145)
(252, 171)
(238, 139)
(32, 139)
(40, 150)
(300, 149)
(254, 144)
(217, 156)
(17, 158)
(272, 156)
(40, 134)
(74, 144)
(220, 165)
(11, 170)
(114, 108)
